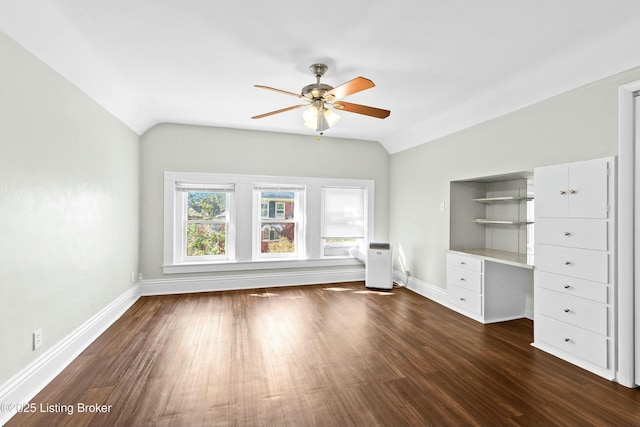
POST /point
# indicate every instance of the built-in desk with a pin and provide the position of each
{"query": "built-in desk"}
(503, 257)
(489, 285)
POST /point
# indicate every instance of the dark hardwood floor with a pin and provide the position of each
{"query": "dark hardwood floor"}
(333, 355)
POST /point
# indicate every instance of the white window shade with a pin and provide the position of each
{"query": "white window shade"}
(343, 212)
(204, 187)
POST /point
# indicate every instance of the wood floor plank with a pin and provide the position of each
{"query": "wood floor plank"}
(326, 355)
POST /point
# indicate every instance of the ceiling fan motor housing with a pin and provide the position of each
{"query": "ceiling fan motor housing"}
(315, 90)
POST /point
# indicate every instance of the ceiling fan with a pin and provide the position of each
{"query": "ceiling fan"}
(320, 96)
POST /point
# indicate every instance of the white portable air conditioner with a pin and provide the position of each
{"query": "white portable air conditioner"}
(379, 270)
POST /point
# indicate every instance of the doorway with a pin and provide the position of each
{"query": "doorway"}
(628, 292)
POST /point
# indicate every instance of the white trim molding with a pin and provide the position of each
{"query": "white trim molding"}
(31, 380)
(626, 235)
(432, 292)
(227, 282)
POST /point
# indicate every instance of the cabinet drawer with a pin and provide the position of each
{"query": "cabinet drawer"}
(466, 262)
(581, 263)
(576, 311)
(470, 280)
(571, 339)
(572, 286)
(464, 298)
(573, 233)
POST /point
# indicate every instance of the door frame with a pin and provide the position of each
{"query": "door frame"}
(628, 235)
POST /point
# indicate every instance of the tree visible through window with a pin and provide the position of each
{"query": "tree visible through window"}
(206, 223)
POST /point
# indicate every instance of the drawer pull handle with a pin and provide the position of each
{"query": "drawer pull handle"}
(567, 339)
(563, 192)
(567, 262)
(572, 191)
(566, 310)
(462, 299)
(462, 279)
(566, 233)
(462, 263)
(567, 286)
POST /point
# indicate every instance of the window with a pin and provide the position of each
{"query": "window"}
(280, 224)
(223, 222)
(344, 220)
(205, 223)
(203, 230)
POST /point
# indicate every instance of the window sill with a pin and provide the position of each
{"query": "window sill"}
(203, 267)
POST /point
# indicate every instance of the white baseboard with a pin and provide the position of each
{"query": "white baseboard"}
(248, 281)
(31, 380)
(434, 293)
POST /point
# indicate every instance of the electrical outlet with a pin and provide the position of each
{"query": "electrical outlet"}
(37, 339)
(133, 277)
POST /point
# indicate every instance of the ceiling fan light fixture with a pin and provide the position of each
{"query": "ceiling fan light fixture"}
(310, 114)
(331, 117)
(319, 118)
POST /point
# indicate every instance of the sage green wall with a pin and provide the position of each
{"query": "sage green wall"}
(577, 125)
(68, 207)
(185, 148)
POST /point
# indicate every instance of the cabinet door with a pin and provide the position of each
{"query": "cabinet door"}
(551, 191)
(588, 189)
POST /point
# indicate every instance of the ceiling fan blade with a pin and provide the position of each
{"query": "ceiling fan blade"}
(362, 109)
(297, 95)
(349, 88)
(278, 111)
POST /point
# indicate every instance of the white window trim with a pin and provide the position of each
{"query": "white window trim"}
(241, 222)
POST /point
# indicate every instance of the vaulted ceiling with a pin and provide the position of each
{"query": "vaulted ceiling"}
(439, 66)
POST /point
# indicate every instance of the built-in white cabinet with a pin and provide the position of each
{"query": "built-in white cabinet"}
(486, 291)
(577, 190)
(489, 264)
(574, 276)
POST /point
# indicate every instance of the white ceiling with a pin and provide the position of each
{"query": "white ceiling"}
(439, 66)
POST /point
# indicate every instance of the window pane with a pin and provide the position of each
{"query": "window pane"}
(205, 239)
(207, 206)
(277, 204)
(343, 214)
(277, 237)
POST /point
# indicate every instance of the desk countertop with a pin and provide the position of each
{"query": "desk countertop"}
(503, 257)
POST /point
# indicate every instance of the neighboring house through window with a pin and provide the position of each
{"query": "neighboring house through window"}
(280, 222)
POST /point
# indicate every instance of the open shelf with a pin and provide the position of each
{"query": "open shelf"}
(501, 199)
(497, 221)
(492, 213)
